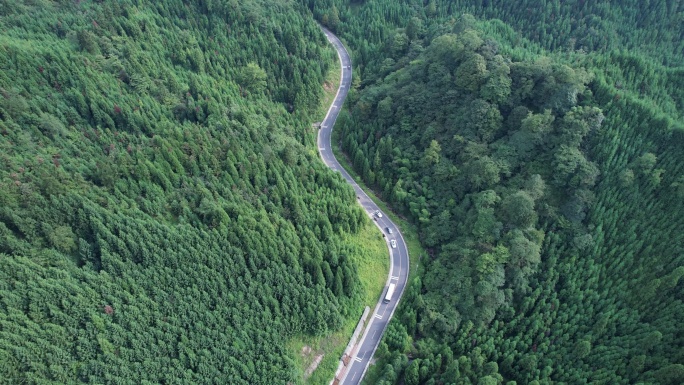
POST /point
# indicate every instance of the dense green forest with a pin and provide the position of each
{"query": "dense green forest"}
(164, 217)
(540, 156)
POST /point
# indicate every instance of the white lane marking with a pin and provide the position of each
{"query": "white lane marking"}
(354, 376)
(358, 359)
(378, 316)
(374, 331)
(395, 278)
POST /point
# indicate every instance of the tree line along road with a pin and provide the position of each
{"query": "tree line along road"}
(398, 252)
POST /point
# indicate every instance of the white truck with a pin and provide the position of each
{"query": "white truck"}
(390, 293)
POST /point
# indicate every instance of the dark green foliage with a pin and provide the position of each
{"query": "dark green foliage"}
(162, 217)
(454, 154)
(546, 184)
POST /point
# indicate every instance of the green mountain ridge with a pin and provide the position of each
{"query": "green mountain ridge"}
(545, 180)
(162, 216)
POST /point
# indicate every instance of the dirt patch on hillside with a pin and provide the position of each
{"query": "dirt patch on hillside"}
(311, 357)
(328, 87)
(313, 366)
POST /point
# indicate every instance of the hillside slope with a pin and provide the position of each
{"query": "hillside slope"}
(163, 218)
(547, 183)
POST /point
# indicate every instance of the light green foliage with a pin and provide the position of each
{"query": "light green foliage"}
(253, 78)
(411, 374)
(535, 186)
(432, 153)
(162, 218)
(396, 337)
(487, 262)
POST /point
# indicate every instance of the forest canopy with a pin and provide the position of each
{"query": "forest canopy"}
(162, 216)
(537, 148)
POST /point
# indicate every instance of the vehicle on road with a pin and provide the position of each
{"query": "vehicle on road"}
(357, 367)
(390, 293)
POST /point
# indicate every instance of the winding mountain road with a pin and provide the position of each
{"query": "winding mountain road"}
(399, 257)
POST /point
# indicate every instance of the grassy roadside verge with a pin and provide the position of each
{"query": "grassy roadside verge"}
(408, 230)
(330, 86)
(372, 262)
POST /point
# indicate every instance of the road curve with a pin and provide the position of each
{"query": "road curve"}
(399, 258)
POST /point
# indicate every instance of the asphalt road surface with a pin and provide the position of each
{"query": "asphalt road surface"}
(399, 259)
